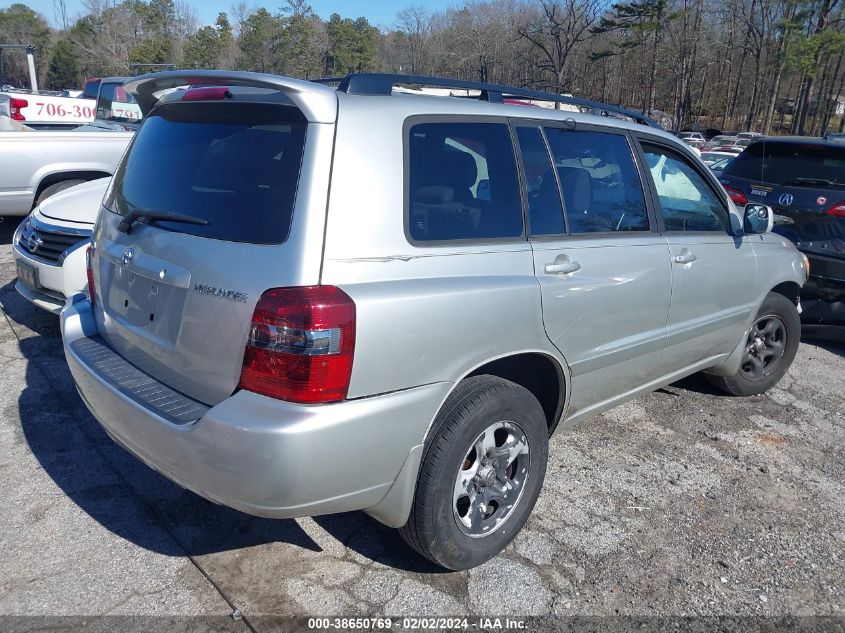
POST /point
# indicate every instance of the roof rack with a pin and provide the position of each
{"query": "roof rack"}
(383, 83)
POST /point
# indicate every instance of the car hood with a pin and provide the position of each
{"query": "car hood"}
(79, 204)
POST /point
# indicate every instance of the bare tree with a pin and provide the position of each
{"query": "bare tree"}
(558, 27)
(414, 25)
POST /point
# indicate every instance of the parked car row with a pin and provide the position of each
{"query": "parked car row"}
(724, 142)
(292, 310)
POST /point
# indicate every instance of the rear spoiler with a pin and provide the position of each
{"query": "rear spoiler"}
(318, 103)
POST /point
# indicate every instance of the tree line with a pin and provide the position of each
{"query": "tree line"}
(774, 66)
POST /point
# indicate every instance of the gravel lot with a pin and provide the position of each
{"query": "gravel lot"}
(682, 502)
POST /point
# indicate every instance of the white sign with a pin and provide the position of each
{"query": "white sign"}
(44, 109)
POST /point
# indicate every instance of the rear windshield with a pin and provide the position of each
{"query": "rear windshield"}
(235, 165)
(793, 164)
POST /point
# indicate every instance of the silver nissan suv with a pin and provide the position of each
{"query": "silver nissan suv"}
(306, 298)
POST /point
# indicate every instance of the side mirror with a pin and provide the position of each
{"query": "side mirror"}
(758, 219)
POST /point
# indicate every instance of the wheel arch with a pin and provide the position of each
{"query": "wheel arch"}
(545, 376)
(55, 177)
(789, 289)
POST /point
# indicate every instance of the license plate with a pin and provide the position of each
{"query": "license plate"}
(27, 275)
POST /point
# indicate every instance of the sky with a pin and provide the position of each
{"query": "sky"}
(378, 12)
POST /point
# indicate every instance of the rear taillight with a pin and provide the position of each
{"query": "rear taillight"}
(300, 345)
(837, 208)
(736, 195)
(89, 269)
(16, 105)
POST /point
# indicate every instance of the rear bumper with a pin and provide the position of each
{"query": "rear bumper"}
(268, 457)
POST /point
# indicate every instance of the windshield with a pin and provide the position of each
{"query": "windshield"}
(235, 165)
(796, 164)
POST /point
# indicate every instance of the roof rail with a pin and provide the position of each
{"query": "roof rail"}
(383, 83)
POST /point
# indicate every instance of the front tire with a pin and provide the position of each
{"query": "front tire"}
(481, 473)
(769, 350)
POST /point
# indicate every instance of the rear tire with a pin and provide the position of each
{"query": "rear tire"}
(770, 349)
(55, 188)
(482, 470)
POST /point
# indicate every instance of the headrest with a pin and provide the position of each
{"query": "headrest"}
(460, 168)
(577, 188)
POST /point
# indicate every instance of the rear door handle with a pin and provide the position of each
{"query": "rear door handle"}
(562, 268)
(685, 258)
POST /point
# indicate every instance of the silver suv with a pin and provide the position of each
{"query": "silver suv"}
(306, 300)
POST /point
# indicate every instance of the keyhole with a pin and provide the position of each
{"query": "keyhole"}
(126, 303)
(152, 316)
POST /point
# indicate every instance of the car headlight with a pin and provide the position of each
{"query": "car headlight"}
(805, 264)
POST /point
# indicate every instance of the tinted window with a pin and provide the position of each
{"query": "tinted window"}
(115, 103)
(235, 165)
(601, 187)
(793, 164)
(90, 89)
(686, 200)
(463, 182)
(545, 213)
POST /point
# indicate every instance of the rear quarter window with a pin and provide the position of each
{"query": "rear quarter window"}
(462, 182)
(235, 165)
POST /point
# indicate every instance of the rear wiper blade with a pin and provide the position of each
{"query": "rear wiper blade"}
(148, 216)
(812, 181)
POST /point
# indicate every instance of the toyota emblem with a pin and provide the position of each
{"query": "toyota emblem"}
(785, 199)
(128, 256)
(34, 241)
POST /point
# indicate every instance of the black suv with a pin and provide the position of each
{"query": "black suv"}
(802, 179)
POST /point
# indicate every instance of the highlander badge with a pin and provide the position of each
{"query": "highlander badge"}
(223, 293)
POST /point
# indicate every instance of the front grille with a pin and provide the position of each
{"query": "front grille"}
(49, 243)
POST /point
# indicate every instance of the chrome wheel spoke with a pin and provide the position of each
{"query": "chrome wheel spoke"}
(463, 483)
(769, 328)
(475, 515)
(485, 442)
(516, 446)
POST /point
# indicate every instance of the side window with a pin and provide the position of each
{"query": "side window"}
(112, 103)
(545, 213)
(463, 182)
(686, 200)
(602, 191)
(105, 100)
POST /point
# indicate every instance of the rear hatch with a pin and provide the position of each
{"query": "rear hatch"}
(801, 179)
(176, 299)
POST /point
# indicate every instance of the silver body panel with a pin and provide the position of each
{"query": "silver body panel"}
(630, 320)
(30, 157)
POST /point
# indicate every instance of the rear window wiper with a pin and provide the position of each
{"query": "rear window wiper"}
(148, 216)
(812, 181)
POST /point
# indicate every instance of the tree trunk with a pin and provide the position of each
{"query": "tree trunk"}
(799, 104)
(833, 93)
(735, 98)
